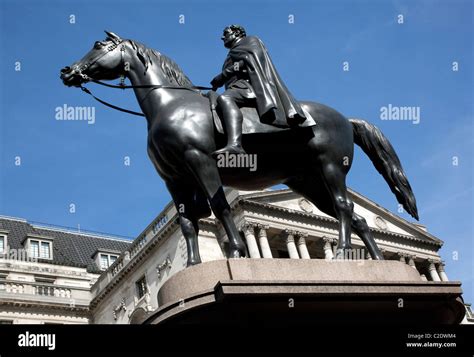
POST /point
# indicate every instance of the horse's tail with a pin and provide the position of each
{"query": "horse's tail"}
(381, 153)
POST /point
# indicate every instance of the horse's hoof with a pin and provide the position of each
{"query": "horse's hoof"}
(193, 262)
(236, 253)
(378, 256)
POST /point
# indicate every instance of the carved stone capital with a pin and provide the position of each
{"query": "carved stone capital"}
(301, 234)
(248, 227)
(441, 265)
(290, 239)
(431, 264)
(301, 240)
(262, 230)
(330, 240)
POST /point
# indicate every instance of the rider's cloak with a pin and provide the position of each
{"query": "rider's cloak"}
(270, 91)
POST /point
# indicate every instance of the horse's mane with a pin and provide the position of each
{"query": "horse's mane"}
(172, 71)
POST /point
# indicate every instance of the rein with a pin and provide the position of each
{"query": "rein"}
(122, 86)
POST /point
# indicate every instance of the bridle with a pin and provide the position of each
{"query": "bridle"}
(115, 43)
(110, 48)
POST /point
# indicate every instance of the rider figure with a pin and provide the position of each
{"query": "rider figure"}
(251, 80)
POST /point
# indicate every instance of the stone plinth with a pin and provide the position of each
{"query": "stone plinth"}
(307, 291)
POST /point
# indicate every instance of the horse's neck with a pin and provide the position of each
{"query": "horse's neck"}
(150, 100)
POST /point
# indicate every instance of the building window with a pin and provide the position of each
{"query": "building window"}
(34, 249)
(106, 260)
(45, 250)
(141, 287)
(3, 244)
(40, 249)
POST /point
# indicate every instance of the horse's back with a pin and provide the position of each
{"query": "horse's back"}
(321, 112)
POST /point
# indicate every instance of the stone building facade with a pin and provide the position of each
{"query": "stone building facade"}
(46, 273)
(274, 224)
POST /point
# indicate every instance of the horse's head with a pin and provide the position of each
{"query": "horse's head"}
(104, 61)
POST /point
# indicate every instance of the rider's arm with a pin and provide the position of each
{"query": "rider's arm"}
(235, 67)
(228, 72)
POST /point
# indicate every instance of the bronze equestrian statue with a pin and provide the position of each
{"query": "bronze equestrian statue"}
(312, 160)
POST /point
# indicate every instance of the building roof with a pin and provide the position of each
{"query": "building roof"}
(70, 248)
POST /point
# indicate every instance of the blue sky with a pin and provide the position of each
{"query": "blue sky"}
(407, 64)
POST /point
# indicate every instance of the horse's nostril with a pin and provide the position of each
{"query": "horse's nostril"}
(65, 69)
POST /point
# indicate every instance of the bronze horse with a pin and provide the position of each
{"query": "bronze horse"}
(312, 161)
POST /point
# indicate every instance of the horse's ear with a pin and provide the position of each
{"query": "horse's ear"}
(112, 36)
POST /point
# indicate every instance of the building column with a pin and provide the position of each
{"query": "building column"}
(423, 277)
(263, 241)
(402, 257)
(441, 272)
(432, 268)
(290, 244)
(249, 232)
(411, 261)
(302, 248)
(328, 243)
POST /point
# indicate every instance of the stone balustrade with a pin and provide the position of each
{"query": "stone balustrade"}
(43, 292)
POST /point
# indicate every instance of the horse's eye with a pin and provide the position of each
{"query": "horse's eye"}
(98, 44)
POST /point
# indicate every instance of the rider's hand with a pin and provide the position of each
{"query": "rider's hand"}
(216, 82)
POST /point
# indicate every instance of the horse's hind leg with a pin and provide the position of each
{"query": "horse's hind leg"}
(330, 199)
(334, 176)
(205, 171)
(334, 179)
(314, 190)
(362, 229)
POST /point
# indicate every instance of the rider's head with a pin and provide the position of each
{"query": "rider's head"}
(232, 34)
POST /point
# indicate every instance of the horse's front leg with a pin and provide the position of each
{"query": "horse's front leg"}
(205, 171)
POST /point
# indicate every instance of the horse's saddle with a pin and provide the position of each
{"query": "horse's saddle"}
(251, 123)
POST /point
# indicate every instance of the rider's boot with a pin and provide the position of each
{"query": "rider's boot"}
(233, 119)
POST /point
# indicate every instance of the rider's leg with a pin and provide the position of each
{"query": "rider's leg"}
(229, 103)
